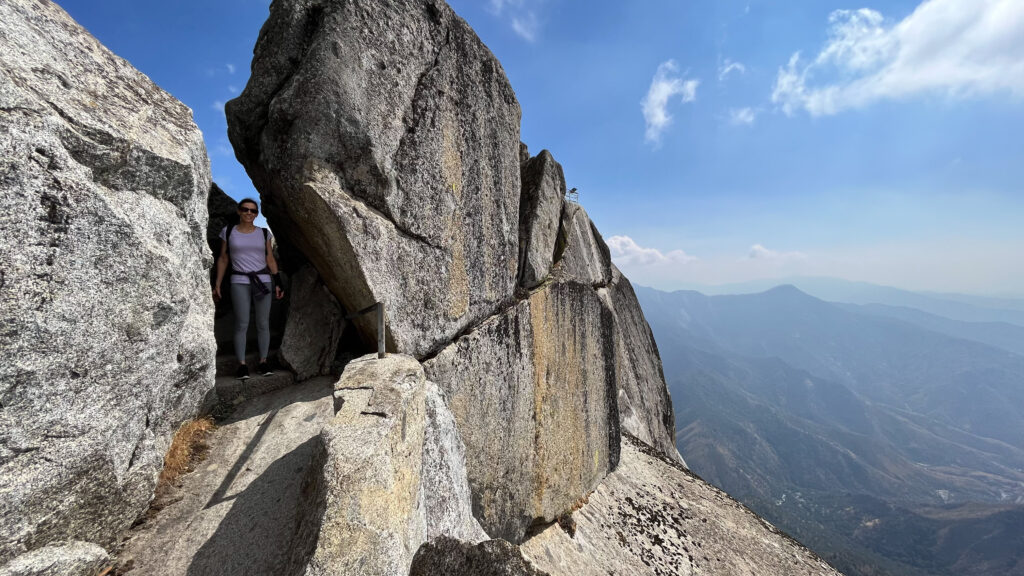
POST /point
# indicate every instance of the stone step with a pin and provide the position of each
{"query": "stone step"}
(228, 392)
(227, 364)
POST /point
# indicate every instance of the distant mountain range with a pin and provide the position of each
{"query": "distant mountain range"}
(870, 431)
(968, 308)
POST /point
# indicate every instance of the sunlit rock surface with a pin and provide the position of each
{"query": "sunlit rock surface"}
(533, 391)
(653, 517)
(106, 320)
(384, 139)
(389, 474)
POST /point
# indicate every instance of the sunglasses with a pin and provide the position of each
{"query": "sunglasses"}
(248, 210)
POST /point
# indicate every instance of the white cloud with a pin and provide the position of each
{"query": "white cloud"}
(218, 106)
(526, 25)
(728, 67)
(759, 252)
(231, 68)
(955, 48)
(626, 252)
(664, 87)
(742, 116)
(233, 89)
(522, 16)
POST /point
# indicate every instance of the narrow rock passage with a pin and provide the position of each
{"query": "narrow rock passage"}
(236, 513)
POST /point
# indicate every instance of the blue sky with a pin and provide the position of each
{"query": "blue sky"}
(889, 150)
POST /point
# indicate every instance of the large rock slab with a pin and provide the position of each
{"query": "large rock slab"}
(383, 137)
(105, 310)
(314, 326)
(533, 391)
(581, 252)
(540, 213)
(653, 517)
(388, 476)
(645, 407)
(73, 558)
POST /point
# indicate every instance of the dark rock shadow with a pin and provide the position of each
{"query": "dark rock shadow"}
(255, 536)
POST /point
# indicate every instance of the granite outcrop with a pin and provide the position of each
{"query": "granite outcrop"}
(390, 474)
(653, 516)
(383, 138)
(106, 320)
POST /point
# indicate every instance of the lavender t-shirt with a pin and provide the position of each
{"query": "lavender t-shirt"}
(248, 253)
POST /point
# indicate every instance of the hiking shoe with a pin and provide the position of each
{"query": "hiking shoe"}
(242, 373)
(264, 369)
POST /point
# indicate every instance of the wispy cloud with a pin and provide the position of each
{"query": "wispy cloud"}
(742, 116)
(956, 48)
(526, 25)
(218, 106)
(729, 67)
(232, 88)
(759, 252)
(230, 67)
(664, 86)
(626, 252)
(522, 16)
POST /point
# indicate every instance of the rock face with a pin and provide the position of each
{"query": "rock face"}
(314, 327)
(539, 213)
(544, 370)
(582, 252)
(389, 475)
(645, 408)
(105, 311)
(652, 516)
(59, 559)
(454, 558)
(384, 139)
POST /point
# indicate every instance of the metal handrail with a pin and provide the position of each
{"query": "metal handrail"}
(379, 307)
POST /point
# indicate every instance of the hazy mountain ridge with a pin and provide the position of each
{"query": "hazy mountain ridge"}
(1004, 335)
(796, 406)
(885, 360)
(964, 307)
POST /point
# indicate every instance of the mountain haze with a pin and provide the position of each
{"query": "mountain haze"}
(841, 425)
(964, 307)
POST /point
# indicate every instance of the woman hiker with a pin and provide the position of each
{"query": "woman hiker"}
(247, 249)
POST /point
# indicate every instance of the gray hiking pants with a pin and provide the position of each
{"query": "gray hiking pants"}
(241, 300)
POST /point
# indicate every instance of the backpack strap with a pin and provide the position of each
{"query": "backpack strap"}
(265, 240)
(227, 237)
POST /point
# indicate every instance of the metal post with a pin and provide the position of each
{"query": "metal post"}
(379, 307)
(380, 329)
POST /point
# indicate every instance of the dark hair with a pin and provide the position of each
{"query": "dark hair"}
(249, 200)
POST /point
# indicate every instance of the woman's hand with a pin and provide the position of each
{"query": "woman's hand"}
(278, 292)
(216, 294)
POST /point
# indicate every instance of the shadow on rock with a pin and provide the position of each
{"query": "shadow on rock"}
(256, 534)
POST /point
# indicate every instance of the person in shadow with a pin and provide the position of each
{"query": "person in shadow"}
(254, 275)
